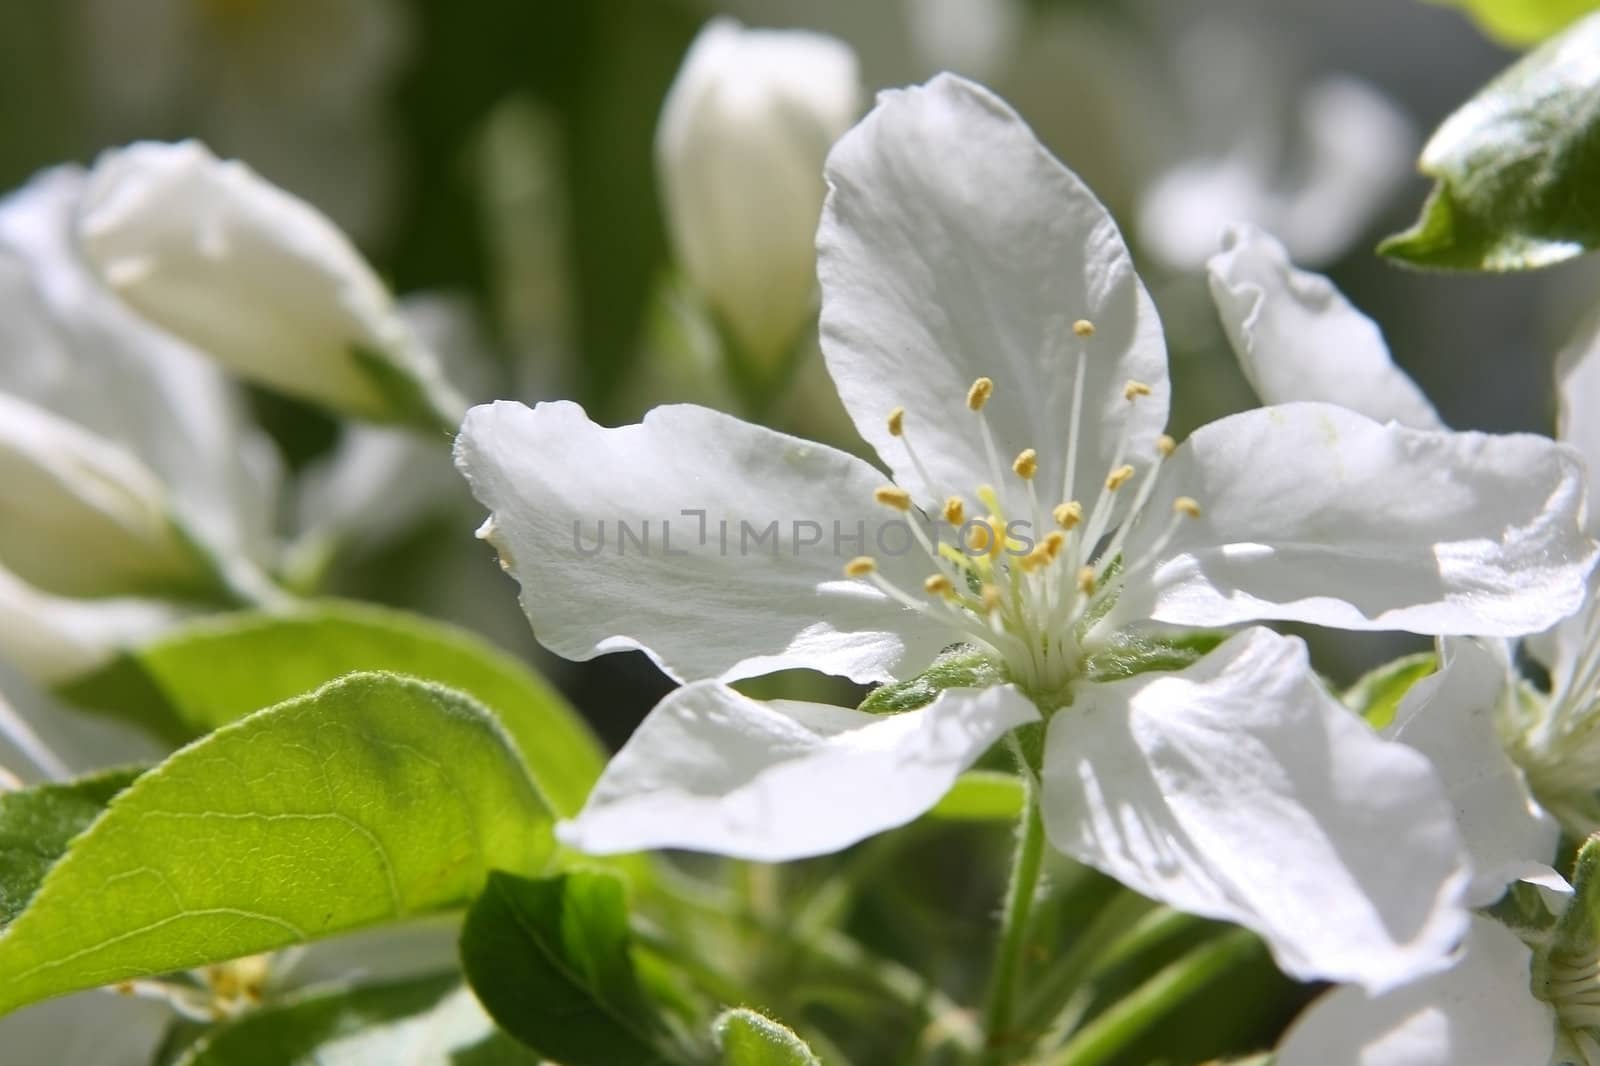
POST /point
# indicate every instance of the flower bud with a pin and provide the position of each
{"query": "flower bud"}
(259, 280)
(81, 517)
(739, 149)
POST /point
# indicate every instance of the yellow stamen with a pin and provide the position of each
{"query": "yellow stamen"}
(979, 394)
(1068, 514)
(893, 496)
(1186, 505)
(1166, 445)
(1134, 389)
(1119, 477)
(1026, 464)
(1086, 580)
(955, 512)
(997, 536)
(991, 598)
(860, 566)
(897, 421)
(1083, 327)
(1055, 542)
(1037, 559)
(939, 585)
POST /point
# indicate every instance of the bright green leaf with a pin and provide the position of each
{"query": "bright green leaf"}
(36, 824)
(1376, 695)
(370, 800)
(750, 1039)
(1517, 168)
(216, 671)
(549, 961)
(375, 1025)
(982, 796)
(1524, 22)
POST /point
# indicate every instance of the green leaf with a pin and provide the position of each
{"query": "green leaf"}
(750, 1039)
(1523, 22)
(373, 799)
(216, 671)
(1376, 695)
(549, 961)
(1517, 168)
(36, 824)
(366, 1026)
(959, 667)
(409, 398)
(982, 796)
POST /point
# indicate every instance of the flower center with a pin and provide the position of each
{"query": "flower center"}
(1033, 588)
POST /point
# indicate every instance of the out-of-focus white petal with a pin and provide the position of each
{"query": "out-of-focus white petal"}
(257, 279)
(1240, 789)
(732, 563)
(1479, 1012)
(1578, 389)
(53, 638)
(1314, 513)
(1298, 338)
(712, 770)
(953, 246)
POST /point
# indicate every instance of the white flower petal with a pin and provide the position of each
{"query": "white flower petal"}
(1479, 1012)
(741, 574)
(1298, 338)
(712, 770)
(74, 348)
(1578, 389)
(55, 638)
(1240, 789)
(953, 246)
(96, 1028)
(1450, 716)
(1314, 513)
(257, 279)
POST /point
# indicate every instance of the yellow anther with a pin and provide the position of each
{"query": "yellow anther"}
(1186, 505)
(1086, 580)
(1068, 514)
(997, 536)
(1026, 464)
(979, 394)
(893, 496)
(991, 598)
(1055, 542)
(897, 421)
(1037, 559)
(1119, 477)
(1134, 389)
(860, 566)
(1166, 445)
(955, 512)
(1083, 327)
(938, 585)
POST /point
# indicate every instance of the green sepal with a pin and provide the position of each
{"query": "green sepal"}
(957, 667)
(1376, 695)
(1132, 653)
(746, 1038)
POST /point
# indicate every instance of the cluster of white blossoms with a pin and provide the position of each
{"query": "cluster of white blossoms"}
(988, 335)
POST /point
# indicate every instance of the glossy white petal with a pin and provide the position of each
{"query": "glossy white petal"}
(1451, 717)
(741, 573)
(1240, 789)
(81, 517)
(743, 134)
(1314, 513)
(954, 246)
(1298, 338)
(1479, 1012)
(712, 770)
(1578, 389)
(257, 279)
(76, 349)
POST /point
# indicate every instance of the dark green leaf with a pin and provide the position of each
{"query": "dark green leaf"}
(549, 961)
(1517, 168)
(370, 800)
(750, 1039)
(36, 824)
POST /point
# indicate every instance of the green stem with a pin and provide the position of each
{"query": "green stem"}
(1025, 865)
(1130, 1016)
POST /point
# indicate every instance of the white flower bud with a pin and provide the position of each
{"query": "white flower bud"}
(81, 517)
(258, 279)
(739, 148)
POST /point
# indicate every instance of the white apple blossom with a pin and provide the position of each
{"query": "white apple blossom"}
(984, 326)
(740, 145)
(257, 279)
